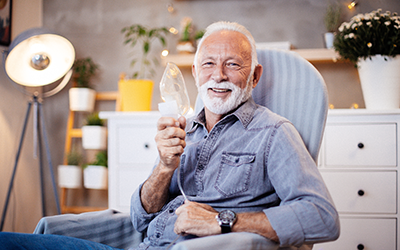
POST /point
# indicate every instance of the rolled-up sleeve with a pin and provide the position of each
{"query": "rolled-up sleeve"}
(140, 218)
(306, 213)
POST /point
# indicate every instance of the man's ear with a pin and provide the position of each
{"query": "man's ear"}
(257, 74)
(194, 71)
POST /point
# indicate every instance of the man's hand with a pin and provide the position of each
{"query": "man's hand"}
(170, 140)
(197, 219)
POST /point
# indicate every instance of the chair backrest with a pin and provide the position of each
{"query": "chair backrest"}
(293, 88)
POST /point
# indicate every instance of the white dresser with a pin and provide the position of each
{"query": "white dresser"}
(359, 163)
(132, 153)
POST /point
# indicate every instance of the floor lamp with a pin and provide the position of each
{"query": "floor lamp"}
(37, 58)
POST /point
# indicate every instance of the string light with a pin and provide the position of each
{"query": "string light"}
(352, 4)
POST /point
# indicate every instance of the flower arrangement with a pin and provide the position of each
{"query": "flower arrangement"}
(369, 34)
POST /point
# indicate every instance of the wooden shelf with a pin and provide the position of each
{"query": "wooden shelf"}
(312, 55)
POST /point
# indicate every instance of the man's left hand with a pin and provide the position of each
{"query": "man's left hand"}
(197, 219)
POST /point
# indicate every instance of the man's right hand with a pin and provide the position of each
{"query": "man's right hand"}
(170, 140)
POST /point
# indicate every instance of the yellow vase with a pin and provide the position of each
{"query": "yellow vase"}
(135, 94)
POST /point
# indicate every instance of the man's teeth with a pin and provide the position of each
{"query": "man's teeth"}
(220, 90)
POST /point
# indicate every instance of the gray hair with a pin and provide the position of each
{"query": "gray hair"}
(222, 25)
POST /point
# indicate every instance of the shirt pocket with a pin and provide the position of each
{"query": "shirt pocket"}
(234, 173)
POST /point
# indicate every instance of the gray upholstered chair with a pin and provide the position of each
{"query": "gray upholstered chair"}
(291, 87)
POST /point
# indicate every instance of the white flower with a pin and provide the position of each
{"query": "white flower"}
(369, 24)
(351, 35)
(369, 45)
(387, 23)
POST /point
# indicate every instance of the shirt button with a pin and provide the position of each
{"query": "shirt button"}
(170, 211)
(158, 235)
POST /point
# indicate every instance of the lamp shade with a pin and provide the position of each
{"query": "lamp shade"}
(38, 57)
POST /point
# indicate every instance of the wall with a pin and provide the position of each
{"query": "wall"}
(94, 26)
(24, 207)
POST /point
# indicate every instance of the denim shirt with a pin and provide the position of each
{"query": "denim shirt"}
(252, 160)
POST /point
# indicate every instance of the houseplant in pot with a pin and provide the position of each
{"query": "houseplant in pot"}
(70, 175)
(185, 44)
(332, 22)
(372, 42)
(136, 92)
(94, 134)
(82, 95)
(95, 174)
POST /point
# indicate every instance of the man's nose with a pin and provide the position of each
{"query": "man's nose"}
(219, 74)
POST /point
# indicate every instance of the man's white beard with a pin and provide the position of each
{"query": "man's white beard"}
(218, 105)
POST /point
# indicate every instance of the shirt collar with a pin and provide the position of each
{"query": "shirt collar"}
(244, 113)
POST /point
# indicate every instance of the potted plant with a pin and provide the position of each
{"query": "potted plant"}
(94, 134)
(331, 21)
(70, 175)
(198, 35)
(371, 41)
(185, 44)
(95, 174)
(82, 95)
(136, 92)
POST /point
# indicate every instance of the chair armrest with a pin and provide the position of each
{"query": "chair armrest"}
(237, 241)
(107, 227)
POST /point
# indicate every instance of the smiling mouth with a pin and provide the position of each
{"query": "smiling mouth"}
(220, 90)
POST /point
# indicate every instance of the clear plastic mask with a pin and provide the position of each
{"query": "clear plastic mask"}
(173, 92)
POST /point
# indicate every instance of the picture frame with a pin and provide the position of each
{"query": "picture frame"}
(5, 22)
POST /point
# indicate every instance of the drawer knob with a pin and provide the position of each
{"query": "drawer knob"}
(146, 145)
(360, 145)
(360, 246)
(361, 192)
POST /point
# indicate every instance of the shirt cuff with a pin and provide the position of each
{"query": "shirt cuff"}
(286, 225)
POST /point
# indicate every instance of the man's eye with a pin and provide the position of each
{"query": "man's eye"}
(233, 65)
(207, 64)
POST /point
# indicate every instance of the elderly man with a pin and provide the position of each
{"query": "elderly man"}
(242, 167)
(235, 167)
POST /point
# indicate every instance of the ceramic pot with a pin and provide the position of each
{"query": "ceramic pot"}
(328, 39)
(69, 176)
(380, 82)
(94, 137)
(95, 177)
(135, 94)
(82, 99)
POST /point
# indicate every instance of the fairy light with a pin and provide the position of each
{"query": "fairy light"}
(352, 4)
(165, 53)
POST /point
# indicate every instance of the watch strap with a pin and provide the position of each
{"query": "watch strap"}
(225, 228)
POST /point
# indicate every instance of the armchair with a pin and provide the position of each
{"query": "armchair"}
(291, 87)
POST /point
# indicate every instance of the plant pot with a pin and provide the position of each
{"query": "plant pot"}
(69, 176)
(380, 82)
(135, 94)
(328, 39)
(185, 47)
(94, 137)
(95, 177)
(82, 99)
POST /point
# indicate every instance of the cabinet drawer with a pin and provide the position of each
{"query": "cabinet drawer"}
(363, 233)
(362, 192)
(128, 181)
(361, 145)
(136, 145)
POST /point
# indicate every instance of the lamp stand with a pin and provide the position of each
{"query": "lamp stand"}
(39, 132)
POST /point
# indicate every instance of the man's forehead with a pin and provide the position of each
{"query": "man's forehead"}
(226, 39)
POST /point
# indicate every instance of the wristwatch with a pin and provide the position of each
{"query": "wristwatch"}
(226, 219)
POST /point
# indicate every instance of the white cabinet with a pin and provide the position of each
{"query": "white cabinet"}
(359, 164)
(132, 153)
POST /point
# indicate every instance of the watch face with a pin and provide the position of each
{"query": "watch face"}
(227, 216)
